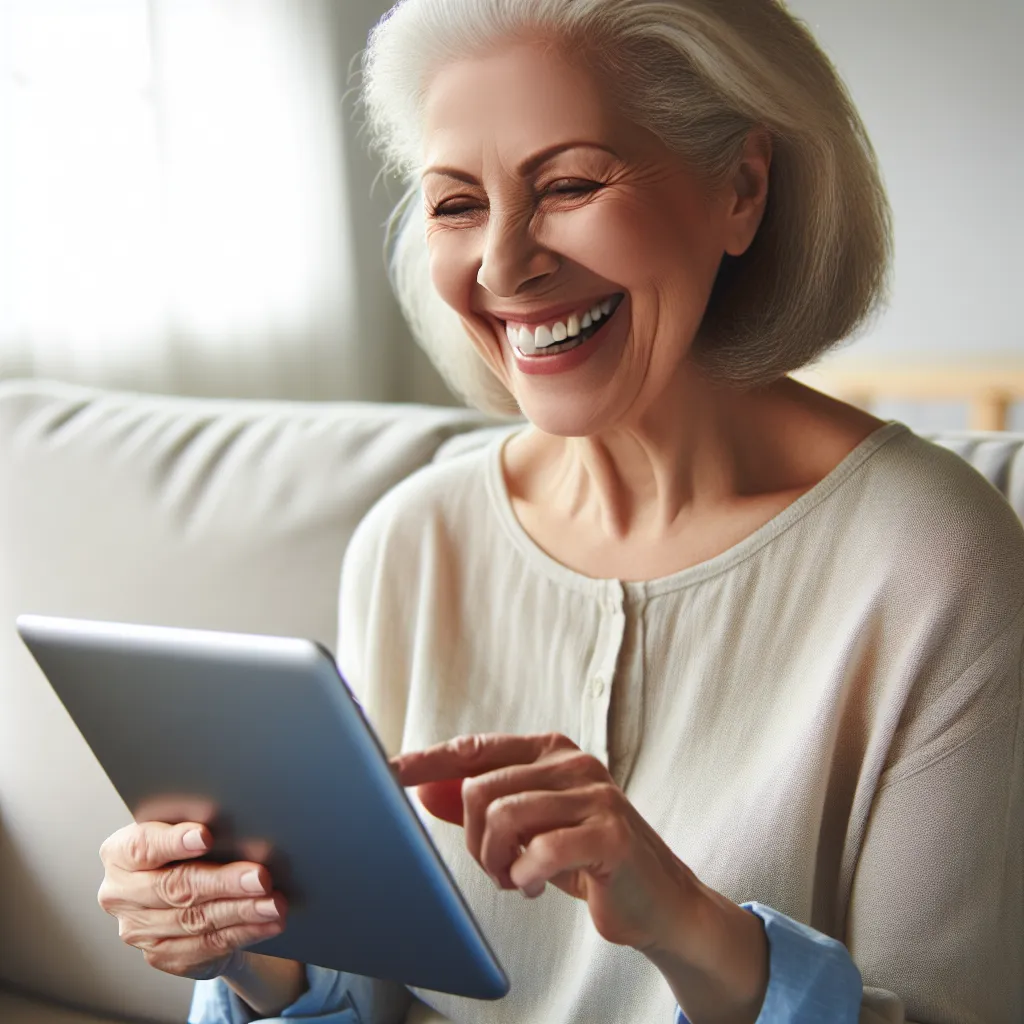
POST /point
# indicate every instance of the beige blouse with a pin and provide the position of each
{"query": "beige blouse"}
(826, 719)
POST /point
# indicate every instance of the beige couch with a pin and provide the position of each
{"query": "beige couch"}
(186, 512)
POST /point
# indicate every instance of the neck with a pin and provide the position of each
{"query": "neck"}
(686, 452)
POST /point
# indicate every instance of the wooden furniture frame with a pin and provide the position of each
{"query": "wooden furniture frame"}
(988, 389)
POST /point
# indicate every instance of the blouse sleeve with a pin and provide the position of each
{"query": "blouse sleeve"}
(811, 977)
(333, 997)
(945, 841)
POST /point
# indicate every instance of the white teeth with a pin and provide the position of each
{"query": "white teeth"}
(529, 342)
(543, 337)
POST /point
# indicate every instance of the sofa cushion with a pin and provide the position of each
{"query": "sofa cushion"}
(17, 1009)
(999, 457)
(216, 514)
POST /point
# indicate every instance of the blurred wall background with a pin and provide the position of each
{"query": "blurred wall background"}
(186, 204)
(940, 85)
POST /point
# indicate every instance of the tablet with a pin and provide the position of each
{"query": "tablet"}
(260, 738)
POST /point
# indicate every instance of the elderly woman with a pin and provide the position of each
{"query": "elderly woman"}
(731, 670)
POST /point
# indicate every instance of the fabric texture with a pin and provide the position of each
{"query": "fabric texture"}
(825, 719)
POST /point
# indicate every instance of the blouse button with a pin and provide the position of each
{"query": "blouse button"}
(597, 687)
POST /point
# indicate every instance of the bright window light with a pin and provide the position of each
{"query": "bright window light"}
(166, 169)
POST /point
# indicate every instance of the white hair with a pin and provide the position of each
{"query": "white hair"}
(700, 74)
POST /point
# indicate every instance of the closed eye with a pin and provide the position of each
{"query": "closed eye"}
(571, 187)
(457, 206)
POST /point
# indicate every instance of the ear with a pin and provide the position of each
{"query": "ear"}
(747, 193)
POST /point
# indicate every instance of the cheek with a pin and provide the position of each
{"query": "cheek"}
(453, 265)
(641, 244)
(451, 269)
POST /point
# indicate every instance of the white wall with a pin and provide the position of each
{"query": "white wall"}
(940, 85)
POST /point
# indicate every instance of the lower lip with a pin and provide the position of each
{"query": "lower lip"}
(541, 365)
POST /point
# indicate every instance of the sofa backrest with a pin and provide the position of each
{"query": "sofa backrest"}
(216, 514)
(999, 457)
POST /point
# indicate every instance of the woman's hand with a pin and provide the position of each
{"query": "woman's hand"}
(189, 917)
(537, 809)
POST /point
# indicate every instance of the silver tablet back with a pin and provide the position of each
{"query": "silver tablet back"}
(260, 738)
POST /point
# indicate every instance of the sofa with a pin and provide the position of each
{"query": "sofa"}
(190, 512)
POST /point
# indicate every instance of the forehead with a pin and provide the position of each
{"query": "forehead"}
(512, 100)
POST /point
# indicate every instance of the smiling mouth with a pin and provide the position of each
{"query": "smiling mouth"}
(565, 335)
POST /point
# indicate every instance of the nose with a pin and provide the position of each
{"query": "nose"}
(513, 261)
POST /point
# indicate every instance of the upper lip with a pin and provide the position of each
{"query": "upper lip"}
(535, 317)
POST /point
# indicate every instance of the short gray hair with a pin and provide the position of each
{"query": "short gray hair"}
(700, 74)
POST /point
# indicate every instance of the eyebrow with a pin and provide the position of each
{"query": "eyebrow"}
(529, 166)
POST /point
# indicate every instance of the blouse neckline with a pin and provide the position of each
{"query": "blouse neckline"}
(613, 590)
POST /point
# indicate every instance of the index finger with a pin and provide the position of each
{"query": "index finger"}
(148, 845)
(466, 756)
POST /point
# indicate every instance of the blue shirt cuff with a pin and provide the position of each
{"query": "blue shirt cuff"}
(333, 997)
(811, 978)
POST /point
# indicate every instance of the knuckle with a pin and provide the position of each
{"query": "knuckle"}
(558, 741)
(579, 764)
(469, 747)
(136, 845)
(115, 843)
(474, 794)
(194, 920)
(175, 886)
(218, 942)
(106, 896)
(106, 849)
(159, 958)
(617, 833)
(606, 796)
(544, 849)
(501, 813)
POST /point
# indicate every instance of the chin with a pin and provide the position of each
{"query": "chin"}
(561, 415)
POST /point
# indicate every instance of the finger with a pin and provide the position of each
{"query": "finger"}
(512, 822)
(186, 957)
(566, 769)
(443, 799)
(466, 756)
(144, 846)
(594, 846)
(182, 885)
(147, 929)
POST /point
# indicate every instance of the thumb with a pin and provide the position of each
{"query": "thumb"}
(148, 845)
(193, 838)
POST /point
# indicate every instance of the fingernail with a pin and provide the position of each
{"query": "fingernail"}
(267, 908)
(193, 840)
(533, 891)
(251, 882)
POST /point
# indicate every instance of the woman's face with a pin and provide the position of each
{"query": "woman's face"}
(578, 250)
